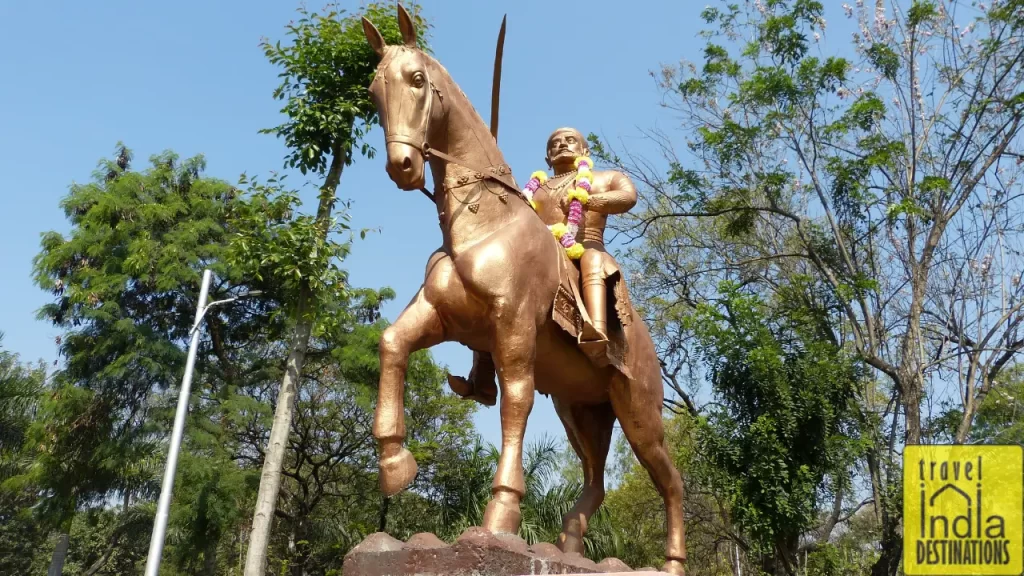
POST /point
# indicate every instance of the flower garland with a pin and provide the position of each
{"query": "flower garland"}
(578, 198)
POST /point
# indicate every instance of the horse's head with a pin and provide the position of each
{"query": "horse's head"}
(404, 96)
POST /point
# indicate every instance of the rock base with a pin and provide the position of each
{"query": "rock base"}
(476, 553)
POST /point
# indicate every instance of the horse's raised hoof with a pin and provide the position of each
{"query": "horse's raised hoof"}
(673, 566)
(397, 472)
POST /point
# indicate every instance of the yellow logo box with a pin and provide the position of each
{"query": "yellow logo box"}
(963, 510)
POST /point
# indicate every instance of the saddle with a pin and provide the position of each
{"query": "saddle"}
(569, 312)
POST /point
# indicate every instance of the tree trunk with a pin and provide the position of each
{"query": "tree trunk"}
(892, 536)
(911, 385)
(210, 559)
(892, 551)
(298, 545)
(60, 553)
(270, 479)
(304, 316)
(909, 372)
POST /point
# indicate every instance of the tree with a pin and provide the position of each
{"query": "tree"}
(326, 73)
(125, 283)
(21, 386)
(885, 174)
(785, 429)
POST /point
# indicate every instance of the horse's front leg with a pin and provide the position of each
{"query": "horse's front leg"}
(514, 353)
(418, 327)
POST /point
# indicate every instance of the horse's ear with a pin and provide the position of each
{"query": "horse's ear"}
(407, 27)
(373, 37)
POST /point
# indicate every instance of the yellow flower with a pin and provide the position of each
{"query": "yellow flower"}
(540, 175)
(559, 230)
(575, 251)
(582, 159)
(579, 194)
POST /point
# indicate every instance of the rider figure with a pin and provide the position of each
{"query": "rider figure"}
(611, 193)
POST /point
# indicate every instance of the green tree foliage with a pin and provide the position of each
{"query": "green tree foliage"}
(125, 284)
(785, 422)
(1000, 418)
(870, 181)
(82, 456)
(21, 386)
(325, 80)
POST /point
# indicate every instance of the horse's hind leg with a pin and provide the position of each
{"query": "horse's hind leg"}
(589, 429)
(638, 407)
(418, 327)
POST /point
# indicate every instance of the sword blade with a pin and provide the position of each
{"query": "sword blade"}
(496, 85)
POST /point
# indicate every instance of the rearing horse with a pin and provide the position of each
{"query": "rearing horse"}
(491, 287)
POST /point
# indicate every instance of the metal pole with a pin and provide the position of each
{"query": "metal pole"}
(156, 542)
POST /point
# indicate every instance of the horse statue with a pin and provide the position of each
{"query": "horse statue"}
(493, 286)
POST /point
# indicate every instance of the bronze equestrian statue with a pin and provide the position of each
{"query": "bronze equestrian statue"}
(502, 285)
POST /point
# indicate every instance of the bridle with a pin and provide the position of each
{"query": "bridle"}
(501, 174)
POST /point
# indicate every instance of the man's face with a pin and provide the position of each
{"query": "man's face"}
(565, 146)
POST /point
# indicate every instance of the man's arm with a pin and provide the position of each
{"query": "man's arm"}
(617, 197)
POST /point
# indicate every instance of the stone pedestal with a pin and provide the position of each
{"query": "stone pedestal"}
(476, 553)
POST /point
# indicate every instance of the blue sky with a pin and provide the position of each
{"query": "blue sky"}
(189, 76)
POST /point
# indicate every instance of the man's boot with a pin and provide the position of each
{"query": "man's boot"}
(481, 385)
(594, 340)
(595, 298)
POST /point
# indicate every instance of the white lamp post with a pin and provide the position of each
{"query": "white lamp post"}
(156, 542)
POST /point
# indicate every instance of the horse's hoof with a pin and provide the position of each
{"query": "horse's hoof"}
(570, 543)
(673, 566)
(501, 518)
(397, 472)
